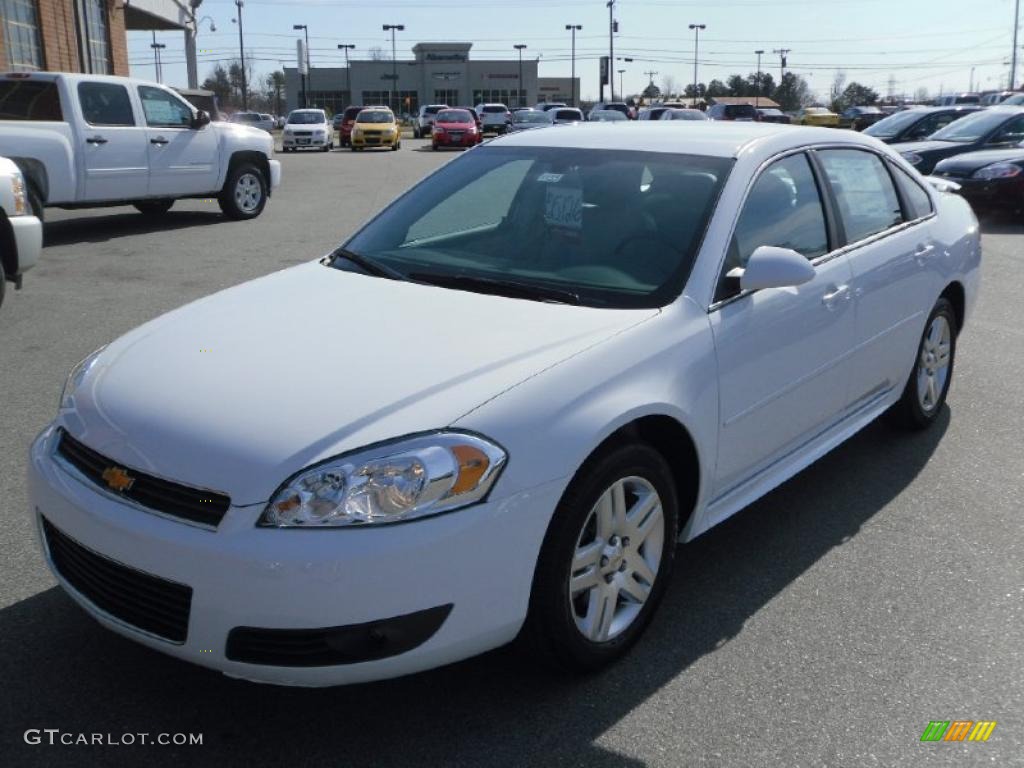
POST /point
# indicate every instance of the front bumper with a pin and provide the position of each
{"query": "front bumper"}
(479, 560)
(302, 142)
(28, 241)
(275, 174)
(465, 140)
(369, 140)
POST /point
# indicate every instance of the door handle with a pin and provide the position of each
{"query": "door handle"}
(96, 140)
(833, 296)
(158, 140)
(922, 253)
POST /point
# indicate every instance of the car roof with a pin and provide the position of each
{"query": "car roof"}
(715, 139)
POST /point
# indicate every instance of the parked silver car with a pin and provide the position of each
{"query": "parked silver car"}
(255, 119)
(423, 125)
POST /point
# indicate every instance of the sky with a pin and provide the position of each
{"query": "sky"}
(901, 45)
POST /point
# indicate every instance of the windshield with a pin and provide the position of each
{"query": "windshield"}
(454, 116)
(531, 117)
(494, 109)
(893, 125)
(1014, 100)
(568, 114)
(607, 115)
(617, 228)
(305, 118)
(374, 116)
(973, 127)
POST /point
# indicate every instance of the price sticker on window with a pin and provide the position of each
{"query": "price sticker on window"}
(563, 207)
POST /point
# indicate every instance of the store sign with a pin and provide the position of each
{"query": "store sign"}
(446, 57)
(446, 75)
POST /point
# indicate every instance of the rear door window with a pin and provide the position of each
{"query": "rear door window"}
(867, 199)
(29, 100)
(105, 104)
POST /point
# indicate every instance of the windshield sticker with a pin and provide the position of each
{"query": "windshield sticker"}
(563, 207)
(549, 178)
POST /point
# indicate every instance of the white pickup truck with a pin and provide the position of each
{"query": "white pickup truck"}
(86, 141)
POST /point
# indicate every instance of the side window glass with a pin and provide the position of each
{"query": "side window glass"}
(864, 190)
(917, 199)
(928, 126)
(1010, 133)
(163, 110)
(782, 209)
(105, 104)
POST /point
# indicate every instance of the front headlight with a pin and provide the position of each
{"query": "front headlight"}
(405, 480)
(76, 377)
(21, 207)
(997, 171)
(911, 158)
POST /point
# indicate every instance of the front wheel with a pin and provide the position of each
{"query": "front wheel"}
(605, 561)
(926, 389)
(396, 147)
(244, 194)
(153, 207)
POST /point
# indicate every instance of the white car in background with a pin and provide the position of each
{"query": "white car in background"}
(494, 118)
(21, 232)
(459, 429)
(423, 124)
(255, 119)
(307, 129)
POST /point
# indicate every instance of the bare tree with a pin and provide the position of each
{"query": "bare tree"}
(921, 95)
(377, 53)
(669, 86)
(835, 93)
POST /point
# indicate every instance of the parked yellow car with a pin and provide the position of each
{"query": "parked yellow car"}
(376, 127)
(817, 116)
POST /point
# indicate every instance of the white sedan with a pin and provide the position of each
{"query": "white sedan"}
(495, 410)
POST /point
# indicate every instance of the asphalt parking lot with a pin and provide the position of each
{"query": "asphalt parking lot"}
(827, 624)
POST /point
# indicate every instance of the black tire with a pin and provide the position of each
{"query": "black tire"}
(397, 146)
(550, 631)
(3, 284)
(153, 207)
(435, 147)
(246, 208)
(353, 147)
(909, 411)
(327, 148)
(35, 200)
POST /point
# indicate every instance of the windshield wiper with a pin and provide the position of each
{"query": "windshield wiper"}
(490, 285)
(368, 264)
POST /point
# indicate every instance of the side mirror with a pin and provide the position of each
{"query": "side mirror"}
(771, 267)
(202, 118)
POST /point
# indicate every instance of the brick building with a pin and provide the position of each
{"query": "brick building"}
(64, 35)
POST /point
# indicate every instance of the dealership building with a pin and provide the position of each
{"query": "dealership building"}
(438, 73)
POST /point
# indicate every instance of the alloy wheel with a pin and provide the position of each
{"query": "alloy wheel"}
(933, 364)
(248, 192)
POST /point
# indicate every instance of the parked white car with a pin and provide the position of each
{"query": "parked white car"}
(98, 140)
(494, 118)
(307, 129)
(423, 124)
(620, 340)
(21, 232)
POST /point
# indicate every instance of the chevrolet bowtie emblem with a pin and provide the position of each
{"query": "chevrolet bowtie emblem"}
(117, 479)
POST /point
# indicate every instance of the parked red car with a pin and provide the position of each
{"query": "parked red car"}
(455, 128)
(344, 128)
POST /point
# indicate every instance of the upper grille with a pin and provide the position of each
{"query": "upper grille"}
(155, 605)
(193, 504)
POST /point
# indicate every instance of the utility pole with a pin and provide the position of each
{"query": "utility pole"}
(394, 63)
(519, 91)
(157, 66)
(307, 79)
(241, 52)
(348, 70)
(611, 47)
(783, 53)
(572, 83)
(757, 92)
(696, 40)
(1013, 59)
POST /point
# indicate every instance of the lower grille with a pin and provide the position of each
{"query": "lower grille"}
(148, 602)
(172, 499)
(329, 646)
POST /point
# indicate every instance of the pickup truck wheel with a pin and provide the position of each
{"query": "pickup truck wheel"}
(3, 283)
(244, 194)
(35, 200)
(153, 207)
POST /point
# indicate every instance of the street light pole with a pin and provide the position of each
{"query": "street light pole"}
(394, 62)
(611, 47)
(157, 66)
(622, 91)
(519, 94)
(308, 77)
(241, 52)
(572, 83)
(757, 93)
(696, 39)
(348, 70)
(1013, 59)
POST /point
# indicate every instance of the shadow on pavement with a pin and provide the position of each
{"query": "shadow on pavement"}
(60, 670)
(1001, 223)
(101, 228)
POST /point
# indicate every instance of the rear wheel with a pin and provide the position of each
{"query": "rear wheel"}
(153, 207)
(244, 194)
(926, 389)
(605, 561)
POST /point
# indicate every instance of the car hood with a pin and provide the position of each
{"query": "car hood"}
(917, 147)
(238, 391)
(972, 161)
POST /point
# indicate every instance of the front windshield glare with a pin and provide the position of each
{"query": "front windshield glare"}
(305, 118)
(616, 228)
(970, 128)
(892, 125)
(532, 117)
(461, 116)
(374, 117)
